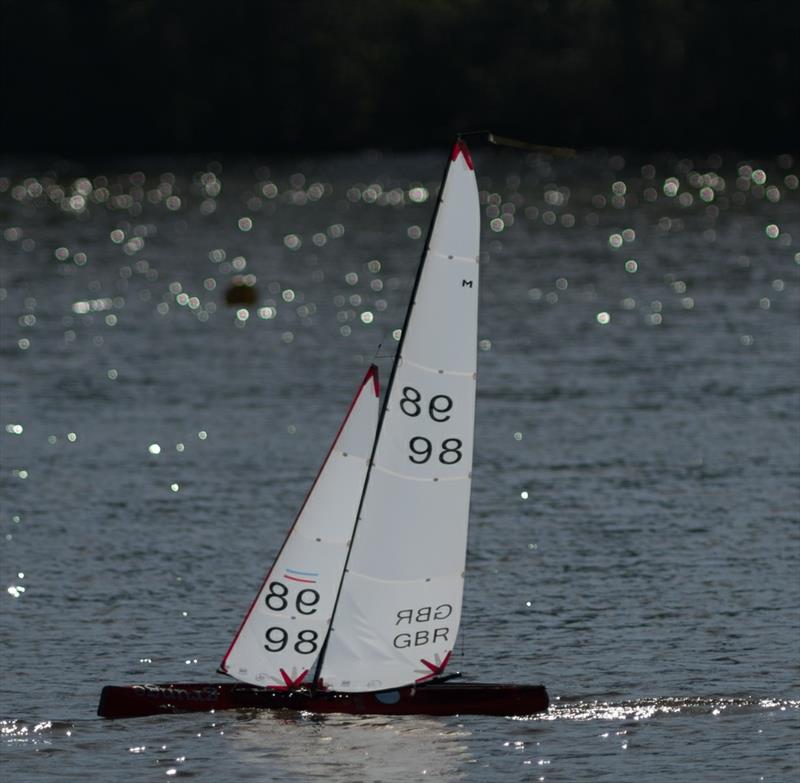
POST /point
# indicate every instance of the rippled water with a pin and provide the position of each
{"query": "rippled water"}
(634, 541)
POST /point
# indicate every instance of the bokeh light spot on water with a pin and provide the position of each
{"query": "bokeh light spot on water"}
(154, 448)
(603, 318)
(175, 487)
(772, 231)
(671, 187)
(615, 240)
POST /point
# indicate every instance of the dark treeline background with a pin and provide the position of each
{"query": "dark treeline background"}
(153, 76)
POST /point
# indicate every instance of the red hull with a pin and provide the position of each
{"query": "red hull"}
(130, 701)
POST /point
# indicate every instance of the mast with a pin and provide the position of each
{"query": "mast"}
(459, 147)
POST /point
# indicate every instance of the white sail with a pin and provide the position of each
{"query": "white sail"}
(399, 608)
(280, 639)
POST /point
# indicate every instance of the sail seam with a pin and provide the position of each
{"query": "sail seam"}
(452, 256)
(320, 540)
(431, 480)
(350, 455)
(452, 575)
(425, 368)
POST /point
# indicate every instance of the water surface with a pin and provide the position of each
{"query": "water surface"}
(634, 537)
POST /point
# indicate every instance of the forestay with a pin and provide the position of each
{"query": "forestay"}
(280, 639)
(399, 608)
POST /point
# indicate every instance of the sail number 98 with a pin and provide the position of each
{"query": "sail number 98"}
(277, 638)
(422, 449)
(439, 407)
(305, 602)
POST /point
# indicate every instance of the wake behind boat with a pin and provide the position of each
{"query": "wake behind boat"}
(361, 608)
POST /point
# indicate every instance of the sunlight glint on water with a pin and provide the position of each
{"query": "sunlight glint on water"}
(179, 340)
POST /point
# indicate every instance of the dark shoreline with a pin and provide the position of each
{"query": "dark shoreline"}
(164, 78)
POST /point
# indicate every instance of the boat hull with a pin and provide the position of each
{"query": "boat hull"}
(130, 701)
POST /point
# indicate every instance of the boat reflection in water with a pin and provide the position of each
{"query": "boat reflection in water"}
(365, 748)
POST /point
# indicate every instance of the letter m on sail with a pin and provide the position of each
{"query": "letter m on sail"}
(466, 283)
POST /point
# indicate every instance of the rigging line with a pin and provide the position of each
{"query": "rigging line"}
(506, 141)
(379, 355)
(387, 395)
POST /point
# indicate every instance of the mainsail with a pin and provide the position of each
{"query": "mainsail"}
(280, 639)
(399, 605)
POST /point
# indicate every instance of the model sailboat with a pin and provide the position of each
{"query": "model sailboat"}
(361, 609)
